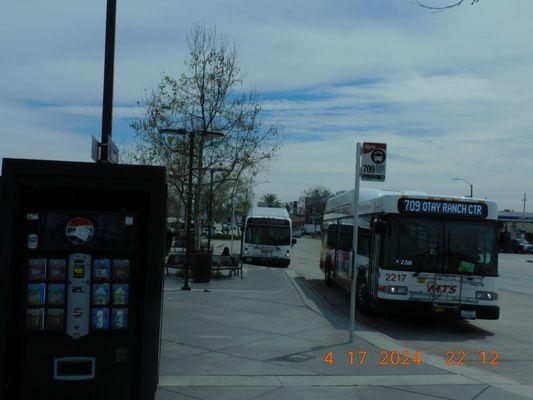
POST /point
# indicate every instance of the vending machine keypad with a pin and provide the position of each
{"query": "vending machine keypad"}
(77, 295)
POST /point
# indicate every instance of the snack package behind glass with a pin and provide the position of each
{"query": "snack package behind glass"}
(37, 269)
(101, 294)
(120, 294)
(36, 294)
(57, 269)
(119, 318)
(100, 318)
(121, 270)
(55, 320)
(56, 294)
(35, 319)
(101, 269)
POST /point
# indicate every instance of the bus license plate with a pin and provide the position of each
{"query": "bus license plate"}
(468, 314)
(266, 252)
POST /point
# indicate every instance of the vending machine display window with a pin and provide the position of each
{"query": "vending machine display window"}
(101, 294)
(119, 318)
(121, 270)
(37, 269)
(57, 269)
(100, 318)
(101, 269)
(120, 294)
(55, 320)
(56, 294)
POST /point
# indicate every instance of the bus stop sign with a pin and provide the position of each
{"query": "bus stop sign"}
(373, 161)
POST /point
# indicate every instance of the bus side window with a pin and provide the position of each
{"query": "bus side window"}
(331, 236)
(363, 242)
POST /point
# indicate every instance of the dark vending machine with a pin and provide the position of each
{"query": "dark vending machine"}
(83, 253)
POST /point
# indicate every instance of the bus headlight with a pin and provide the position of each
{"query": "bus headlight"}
(399, 290)
(482, 295)
(287, 254)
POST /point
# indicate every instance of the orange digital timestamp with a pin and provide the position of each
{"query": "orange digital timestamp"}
(461, 357)
(393, 358)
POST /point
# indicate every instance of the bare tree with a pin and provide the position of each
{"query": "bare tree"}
(443, 8)
(315, 201)
(207, 96)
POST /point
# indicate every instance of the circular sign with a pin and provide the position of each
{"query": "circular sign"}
(79, 230)
(378, 156)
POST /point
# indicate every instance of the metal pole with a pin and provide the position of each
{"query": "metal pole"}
(210, 212)
(232, 218)
(188, 215)
(109, 63)
(355, 234)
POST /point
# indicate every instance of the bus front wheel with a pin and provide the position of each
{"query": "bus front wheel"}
(362, 298)
(328, 278)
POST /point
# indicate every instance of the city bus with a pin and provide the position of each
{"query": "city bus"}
(415, 252)
(267, 237)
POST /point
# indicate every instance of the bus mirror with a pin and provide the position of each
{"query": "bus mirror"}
(380, 227)
(293, 242)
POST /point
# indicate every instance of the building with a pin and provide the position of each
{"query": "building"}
(516, 224)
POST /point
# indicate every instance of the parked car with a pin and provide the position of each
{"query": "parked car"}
(521, 246)
(297, 232)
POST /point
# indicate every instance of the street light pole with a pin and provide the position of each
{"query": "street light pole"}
(210, 211)
(109, 63)
(188, 215)
(471, 186)
(188, 252)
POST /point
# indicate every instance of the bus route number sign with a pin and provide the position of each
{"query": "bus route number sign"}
(373, 160)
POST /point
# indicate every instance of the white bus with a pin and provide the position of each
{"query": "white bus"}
(416, 252)
(267, 237)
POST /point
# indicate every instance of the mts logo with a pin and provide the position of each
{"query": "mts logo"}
(442, 289)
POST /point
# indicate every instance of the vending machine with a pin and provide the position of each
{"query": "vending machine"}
(82, 253)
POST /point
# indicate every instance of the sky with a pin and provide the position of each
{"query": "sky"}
(451, 93)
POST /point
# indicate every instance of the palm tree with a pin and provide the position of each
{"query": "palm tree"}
(269, 200)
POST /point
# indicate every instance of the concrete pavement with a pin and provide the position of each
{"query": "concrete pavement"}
(267, 337)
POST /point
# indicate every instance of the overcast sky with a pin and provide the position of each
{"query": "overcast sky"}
(450, 93)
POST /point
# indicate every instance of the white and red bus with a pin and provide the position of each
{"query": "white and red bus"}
(415, 251)
(267, 238)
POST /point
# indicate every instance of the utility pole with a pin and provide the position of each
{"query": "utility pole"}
(524, 199)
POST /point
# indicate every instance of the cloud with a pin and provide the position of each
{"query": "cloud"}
(24, 136)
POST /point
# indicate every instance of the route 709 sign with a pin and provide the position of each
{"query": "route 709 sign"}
(373, 161)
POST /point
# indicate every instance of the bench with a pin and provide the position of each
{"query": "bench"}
(175, 260)
(226, 263)
(219, 263)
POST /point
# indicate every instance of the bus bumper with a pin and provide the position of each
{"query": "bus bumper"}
(267, 261)
(412, 308)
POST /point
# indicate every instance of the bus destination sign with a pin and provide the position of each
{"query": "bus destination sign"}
(442, 207)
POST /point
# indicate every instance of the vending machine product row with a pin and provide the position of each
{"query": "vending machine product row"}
(84, 268)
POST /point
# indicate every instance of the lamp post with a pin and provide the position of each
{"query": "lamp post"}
(471, 186)
(191, 134)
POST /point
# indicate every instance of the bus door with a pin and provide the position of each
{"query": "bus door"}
(373, 264)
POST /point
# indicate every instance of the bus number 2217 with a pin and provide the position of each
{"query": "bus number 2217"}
(395, 277)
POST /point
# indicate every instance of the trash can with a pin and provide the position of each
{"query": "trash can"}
(201, 265)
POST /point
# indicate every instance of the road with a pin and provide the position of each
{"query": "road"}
(511, 335)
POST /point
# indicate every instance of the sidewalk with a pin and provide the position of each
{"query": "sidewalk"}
(266, 336)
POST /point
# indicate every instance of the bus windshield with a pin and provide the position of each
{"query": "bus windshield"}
(443, 246)
(273, 235)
